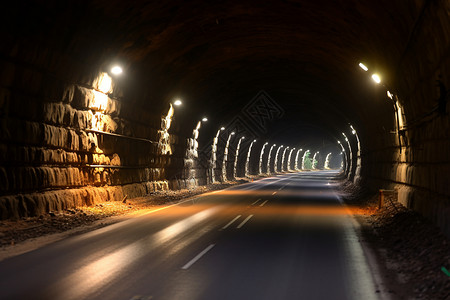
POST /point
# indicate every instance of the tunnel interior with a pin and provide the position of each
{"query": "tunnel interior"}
(283, 74)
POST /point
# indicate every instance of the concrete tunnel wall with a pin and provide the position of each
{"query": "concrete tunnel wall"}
(419, 169)
(47, 114)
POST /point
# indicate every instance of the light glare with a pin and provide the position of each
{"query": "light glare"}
(104, 83)
(178, 102)
(205, 119)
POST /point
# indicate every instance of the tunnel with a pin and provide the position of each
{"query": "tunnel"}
(102, 100)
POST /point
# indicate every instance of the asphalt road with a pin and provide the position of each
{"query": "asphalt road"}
(285, 237)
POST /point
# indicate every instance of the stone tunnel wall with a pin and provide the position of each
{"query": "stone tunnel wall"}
(420, 169)
(48, 149)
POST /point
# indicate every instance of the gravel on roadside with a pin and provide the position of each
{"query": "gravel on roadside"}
(415, 253)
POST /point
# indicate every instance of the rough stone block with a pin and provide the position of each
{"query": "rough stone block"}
(83, 141)
(24, 132)
(115, 193)
(93, 141)
(134, 190)
(9, 207)
(68, 93)
(82, 97)
(113, 107)
(69, 114)
(115, 160)
(53, 113)
(73, 140)
(55, 136)
(150, 187)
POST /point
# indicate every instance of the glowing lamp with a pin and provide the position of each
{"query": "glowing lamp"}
(389, 94)
(178, 102)
(205, 119)
(116, 70)
(362, 66)
(376, 78)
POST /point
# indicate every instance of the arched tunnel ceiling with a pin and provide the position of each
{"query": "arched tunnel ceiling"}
(218, 55)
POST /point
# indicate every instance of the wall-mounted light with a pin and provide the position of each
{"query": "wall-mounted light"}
(205, 119)
(362, 66)
(222, 128)
(390, 95)
(177, 102)
(233, 133)
(116, 70)
(376, 78)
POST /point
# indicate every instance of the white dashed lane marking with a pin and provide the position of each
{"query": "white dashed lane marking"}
(245, 221)
(195, 259)
(231, 222)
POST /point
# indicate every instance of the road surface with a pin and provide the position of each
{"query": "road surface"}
(284, 237)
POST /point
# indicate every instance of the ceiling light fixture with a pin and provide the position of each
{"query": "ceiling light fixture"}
(376, 78)
(116, 70)
(362, 66)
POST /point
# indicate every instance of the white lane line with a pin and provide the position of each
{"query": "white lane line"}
(194, 260)
(256, 201)
(231, 222)
(245, 221)
(262, 204)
